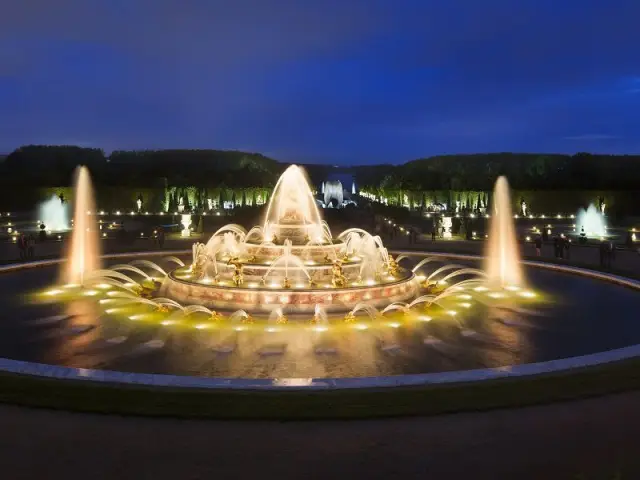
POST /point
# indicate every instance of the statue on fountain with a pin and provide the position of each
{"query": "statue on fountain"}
(162, 308)
(275, 240)
(215, 317)
(350, 317)
(393, 266)
(326, 259)
(247, 319)
(306, 238)
(338, 280)
(282, 319)
(200, 258)
(286, 283)
(238, 277)
(523, 207)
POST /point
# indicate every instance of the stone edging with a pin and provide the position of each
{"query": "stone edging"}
(462, 376)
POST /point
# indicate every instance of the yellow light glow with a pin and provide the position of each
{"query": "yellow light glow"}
(481, 289)
(168, 322)
(394, 325)
(91, 293)
(527, 294)
(424, 318)
(465, 305)
(464, 297)
(54, 292)
(360, 326)
(452, 313)
(202, 326)
(320, 328)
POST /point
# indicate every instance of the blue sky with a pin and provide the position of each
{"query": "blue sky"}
(333, 81)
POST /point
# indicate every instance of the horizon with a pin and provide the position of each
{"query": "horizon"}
(362, 82)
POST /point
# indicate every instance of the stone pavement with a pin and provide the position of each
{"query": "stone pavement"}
(596, 437)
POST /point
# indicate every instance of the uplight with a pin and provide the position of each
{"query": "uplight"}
(320, 329)
(360, 326)
(424, 318)
(527, 294)
(394, 325)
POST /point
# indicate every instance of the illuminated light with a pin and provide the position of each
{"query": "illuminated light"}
(101, 212)
(299, 285)
(465, 305)
(104, 235)
(137, 317)
(239, 328)
(424, 318)
(360, 326)
(464, 297)
(512, 288)
(530, 216)
(252, 285)
(442, 282)
(168, 322)
(481, 289)
(496, 295)
(132, 212)
(117, 213)
(472, 215)
(54, 292)
(207, 281)
(528, 238)
(559, 216)
(107, 300)
(527, 294)
(320, 328)
(202, 326)
(271, 329)
(371, 282)
(310, 262)
(452, 313)
(515, 216)
(112, 310)
(327, 285)
(394, 325)
(284, 299)
(141, 234)
(91, 293)
(421, 278)
(113, 293)
(487, 215)
(146, 213)
(390, 277)
(273, 285)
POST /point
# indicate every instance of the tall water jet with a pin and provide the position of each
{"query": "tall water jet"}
(83, 256)
(591, 222)
(53, 214)
(503, 255)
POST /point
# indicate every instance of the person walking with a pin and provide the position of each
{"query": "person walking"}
(22, 247)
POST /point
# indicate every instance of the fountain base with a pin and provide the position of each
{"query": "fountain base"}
(262, 300)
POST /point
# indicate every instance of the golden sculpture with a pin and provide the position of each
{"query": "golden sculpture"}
(286, 283)
(238, 277)
(282, 319)
(393, 266)
(215, 317)
(162, 308)
(247, 319)
(338, 280)
(349, 317)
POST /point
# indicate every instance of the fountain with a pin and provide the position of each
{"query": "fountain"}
(503, 254)
(290, 262)
(83, 256)
(54, 214)
(591, 222)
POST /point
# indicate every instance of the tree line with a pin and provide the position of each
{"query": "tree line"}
(43, 165)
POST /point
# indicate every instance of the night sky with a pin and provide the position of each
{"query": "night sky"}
(333, 81)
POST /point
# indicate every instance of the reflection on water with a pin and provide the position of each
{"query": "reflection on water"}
(77, 336)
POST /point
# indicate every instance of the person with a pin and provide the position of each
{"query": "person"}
(612, 252)
(433, 234)
(556, 247)
(603, 254)
(31, 246)
(561, 242)
(538, 244)
(567, 248)
(22, 247)
(161, 237)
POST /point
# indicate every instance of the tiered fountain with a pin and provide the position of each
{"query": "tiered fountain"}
(291, 262)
